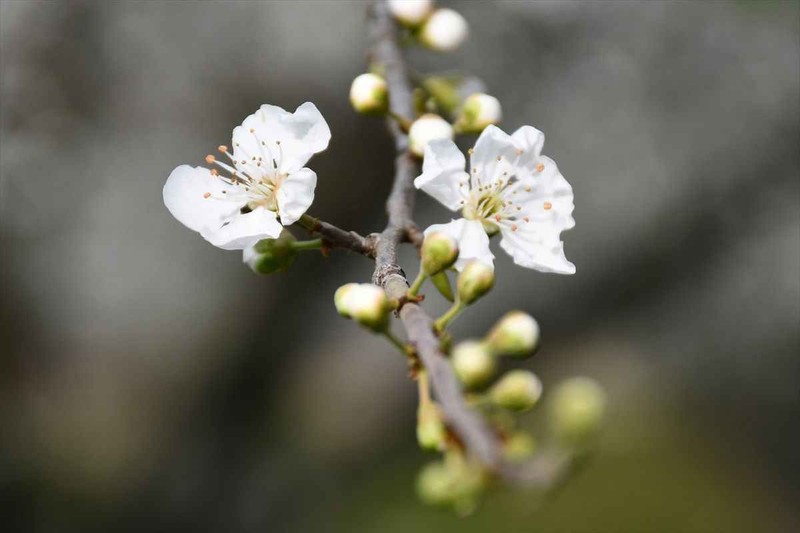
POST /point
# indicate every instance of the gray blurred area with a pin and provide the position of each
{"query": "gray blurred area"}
(150, 382)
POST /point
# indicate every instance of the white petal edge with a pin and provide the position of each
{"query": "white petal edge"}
(493, 154)
(301, 135)
(245, 230)
(296, 194)
(473, 243)
(528, 251)
(530, 141)
(442, 172)
(185, 196)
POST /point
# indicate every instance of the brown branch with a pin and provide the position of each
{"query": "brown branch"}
(335, 237)
(479, 439)
(472, 430)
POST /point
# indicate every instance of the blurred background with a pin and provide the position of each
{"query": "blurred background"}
(151, 382)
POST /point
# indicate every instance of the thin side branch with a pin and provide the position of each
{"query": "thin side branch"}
(335, 237)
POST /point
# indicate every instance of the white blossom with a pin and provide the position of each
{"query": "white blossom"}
(266, 185)
(511, 189)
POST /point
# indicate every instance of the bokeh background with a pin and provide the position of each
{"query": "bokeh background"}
(151, 382)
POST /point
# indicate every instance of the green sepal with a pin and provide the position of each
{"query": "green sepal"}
(442, 283)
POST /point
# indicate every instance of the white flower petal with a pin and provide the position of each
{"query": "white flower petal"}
(442, 172)
(530, 141)
(295, 195)
(494, 154)
(245, 230)
(528, 249)
(473, 243)
(195, 198)
(301, 135)
(550, 199)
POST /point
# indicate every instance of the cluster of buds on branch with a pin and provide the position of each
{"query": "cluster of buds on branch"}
(248, 200)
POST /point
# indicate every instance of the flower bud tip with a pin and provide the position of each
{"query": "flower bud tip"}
(425, 129)
(479, 111)
(369, 94)
(439, 252)
(518, 390)
(473, 363)
(444, 30)
(517, 334)
(475, 280)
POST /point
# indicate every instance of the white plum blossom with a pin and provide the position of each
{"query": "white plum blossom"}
(511, 189)
(266, 185)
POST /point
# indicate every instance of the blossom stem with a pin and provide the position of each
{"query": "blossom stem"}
(403, 122)
(424, 388)
(414, 289)
(314, 244)
(443, 321)
(308, 222)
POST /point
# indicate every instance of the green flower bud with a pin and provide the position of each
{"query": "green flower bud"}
(369, 94)
(578, 407)
(518, 390)
(439, 252)
(474, 281)
(268, 256)
(479, 111)
(430, 428)
(427, 128)
(519, 447)
(473, 363)
(436, 485)
(516, 334)
(365, 303)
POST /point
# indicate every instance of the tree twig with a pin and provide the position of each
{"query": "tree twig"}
(471, 429)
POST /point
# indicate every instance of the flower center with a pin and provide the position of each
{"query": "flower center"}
(254, 179)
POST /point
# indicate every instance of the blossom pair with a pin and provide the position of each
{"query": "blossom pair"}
(511, 189)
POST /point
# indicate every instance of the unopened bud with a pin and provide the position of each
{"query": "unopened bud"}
(516, 334)
(340, 298)
(473, 363)
(425, 129)
(436, 484)
(369, 94)
(479, 111)
(411, 12)
(430, 428)
(365, 303)
(444, 30)
(518, 390)
(268, 256)
(439, 252)
(519, 446)
(474, 281)
(578, 406)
